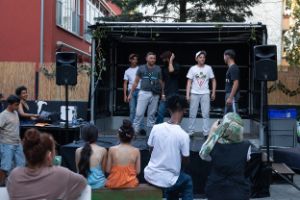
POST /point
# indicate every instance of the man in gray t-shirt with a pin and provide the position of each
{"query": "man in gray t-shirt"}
(11, 150)
(151, 88)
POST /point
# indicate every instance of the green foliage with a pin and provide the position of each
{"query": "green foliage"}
(292, 38)
(187, 10)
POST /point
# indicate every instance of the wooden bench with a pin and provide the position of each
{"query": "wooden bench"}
(284, 170)
(142, 192)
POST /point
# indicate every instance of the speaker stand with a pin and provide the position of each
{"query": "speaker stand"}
(67, 105)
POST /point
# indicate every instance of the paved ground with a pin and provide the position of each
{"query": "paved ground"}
(284, 191)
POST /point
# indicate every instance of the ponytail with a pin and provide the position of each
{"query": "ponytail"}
(84, 162)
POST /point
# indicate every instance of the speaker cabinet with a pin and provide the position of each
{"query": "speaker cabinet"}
(265, 63)
(66, 68)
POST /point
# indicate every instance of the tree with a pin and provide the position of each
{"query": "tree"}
(191, 10)
(292, 38)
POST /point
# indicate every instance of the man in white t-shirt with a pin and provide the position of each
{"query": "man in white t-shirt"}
(129, 77)
(197, 91)
(170, 148)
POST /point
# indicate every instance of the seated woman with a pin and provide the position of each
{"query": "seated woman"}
(91, 159)
(40, 179)
(24, 110)
(123, 162)
(228, 154)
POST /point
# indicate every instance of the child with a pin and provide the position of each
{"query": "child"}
(123, 162)
(91, 159)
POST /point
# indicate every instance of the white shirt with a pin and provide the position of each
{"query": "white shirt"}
(129, 76)
(200, 78)
(170, 142)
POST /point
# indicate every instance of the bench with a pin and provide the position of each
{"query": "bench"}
(284, 170)
(142, 192)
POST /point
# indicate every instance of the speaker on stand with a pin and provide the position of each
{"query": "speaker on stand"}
(66, 74)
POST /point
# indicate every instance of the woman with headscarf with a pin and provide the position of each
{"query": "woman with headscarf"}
(228, 153)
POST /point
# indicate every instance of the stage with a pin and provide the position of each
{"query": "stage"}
(197, 168)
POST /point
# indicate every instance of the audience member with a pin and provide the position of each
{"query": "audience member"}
(170, 149)
(11, 150)
(91, 159)
(228, 154)
(1, 102)
(39, 179)
(123, 162)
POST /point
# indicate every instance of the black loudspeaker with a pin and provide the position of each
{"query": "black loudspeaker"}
(265, 63)
(66, 68)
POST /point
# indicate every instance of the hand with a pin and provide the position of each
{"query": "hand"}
(36, 115)
(129, 97)
(125, 99)
(229, 101)
(214, 126)
(163, 97)
(213, 96)
(172, 57)
(188, 98)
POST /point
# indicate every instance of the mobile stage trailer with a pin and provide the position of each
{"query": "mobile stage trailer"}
(184, 39)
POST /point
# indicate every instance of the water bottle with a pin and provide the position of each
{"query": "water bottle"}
(74, 118)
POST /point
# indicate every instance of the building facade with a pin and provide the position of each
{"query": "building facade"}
(31, 34)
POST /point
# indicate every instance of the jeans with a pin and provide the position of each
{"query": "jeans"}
(146, 100)
(11, 154)
(234, 106)
(161, 112)
(204, 100)
(132, 104)
(183, 186)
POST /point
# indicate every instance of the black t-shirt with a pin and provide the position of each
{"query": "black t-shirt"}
(232, 74)
(170, 79)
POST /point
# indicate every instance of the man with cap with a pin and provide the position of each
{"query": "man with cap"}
(197, 92)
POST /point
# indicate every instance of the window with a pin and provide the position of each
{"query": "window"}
(68, 15)
(92, 11)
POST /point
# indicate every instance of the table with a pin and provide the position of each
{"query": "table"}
(62, 135)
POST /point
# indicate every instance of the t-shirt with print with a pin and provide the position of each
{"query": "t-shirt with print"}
(170, 142)
(233, 73)
(9, 127)
(171, 79)
(200, 78)
(129, 76)
(150, 78)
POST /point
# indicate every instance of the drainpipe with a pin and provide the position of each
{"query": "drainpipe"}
(41, 50)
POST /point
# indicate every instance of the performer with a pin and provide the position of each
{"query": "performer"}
(228, 153)
(197, 91)
(231, 83)
(170, 76)
(129, 77)
(24, 110)
(151, 88)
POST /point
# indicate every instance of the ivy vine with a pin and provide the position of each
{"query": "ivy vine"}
(278, 85)
(99, 35)
(49, 71)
